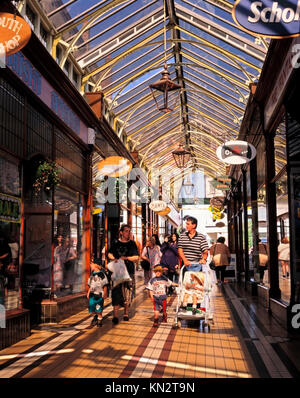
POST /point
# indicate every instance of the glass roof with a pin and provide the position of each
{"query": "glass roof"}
(121, 47)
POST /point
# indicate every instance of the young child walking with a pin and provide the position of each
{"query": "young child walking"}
(157, 287)
(97, 293)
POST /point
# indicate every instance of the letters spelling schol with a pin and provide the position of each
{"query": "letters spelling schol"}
(274, 13)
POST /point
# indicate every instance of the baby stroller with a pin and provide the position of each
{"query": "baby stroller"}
(193, 296)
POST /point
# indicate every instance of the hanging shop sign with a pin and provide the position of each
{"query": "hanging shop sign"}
(158, 205)
(15, 33)
(277, 19)
(236, 152)
(164, 212)
(218, 202)
(114, 166)
(10, 208)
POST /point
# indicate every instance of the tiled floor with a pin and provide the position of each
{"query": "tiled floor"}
(243, 342)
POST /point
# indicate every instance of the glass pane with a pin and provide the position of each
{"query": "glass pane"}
(67, 267)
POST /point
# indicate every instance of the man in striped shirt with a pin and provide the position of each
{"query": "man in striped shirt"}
(192, 246)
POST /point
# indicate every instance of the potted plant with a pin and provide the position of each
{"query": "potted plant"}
(47, 177)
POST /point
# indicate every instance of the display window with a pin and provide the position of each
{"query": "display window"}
(10, 222)
(68, 228)
(282, 210)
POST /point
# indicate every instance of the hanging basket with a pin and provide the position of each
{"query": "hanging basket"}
(46, 178)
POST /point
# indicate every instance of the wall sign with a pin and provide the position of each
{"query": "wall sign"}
(114, 166)
(24, 69)
(158, 205)
(277, 19)
(10, 208)
(236, 152)
(14, 33)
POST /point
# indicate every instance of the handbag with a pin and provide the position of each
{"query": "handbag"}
(146, 264)
(212, 264)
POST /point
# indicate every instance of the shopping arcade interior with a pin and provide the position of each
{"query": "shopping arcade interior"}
(212, 65)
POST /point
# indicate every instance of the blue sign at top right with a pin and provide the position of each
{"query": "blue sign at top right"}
(276, 19)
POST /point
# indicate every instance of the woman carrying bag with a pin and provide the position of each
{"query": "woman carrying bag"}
(151, 254)
(221, 256)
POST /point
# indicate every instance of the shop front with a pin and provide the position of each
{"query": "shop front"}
(268, 195)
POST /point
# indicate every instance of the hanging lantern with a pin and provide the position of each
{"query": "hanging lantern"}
(163, 85)
(188, 187)
(181, 157)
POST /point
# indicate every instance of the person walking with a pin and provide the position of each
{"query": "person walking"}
(125, 249)
(263, 258)
(97, 293)
(221, 255)
(192, 245)
(284, 256)
(152, 254)
(157, 287)
(170, 258)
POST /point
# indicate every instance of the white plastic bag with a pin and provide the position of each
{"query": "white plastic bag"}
(119, 272)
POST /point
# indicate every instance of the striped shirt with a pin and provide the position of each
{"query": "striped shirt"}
(193, 247)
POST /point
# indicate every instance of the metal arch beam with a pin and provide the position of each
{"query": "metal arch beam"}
(93, 15)
(248, 47)
(232, 80)
(123, 55)
(150, 124)
(134, 77)
(218, 49)
(223, 104)
(213, 119)
(214, 96)
(203, 147)
(170, 134)
(91, 19)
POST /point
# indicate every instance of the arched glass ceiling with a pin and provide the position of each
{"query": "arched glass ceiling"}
(121, 47)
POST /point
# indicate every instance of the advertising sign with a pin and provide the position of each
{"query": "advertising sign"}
(10, 208)
(236, 152)
(114, 166)
(14, 33)
(277, 19)
(158, 205)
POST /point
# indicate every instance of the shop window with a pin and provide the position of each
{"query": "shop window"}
(282, 210)
(67, 67)
(10, 218)
(43, 35)
(68, 267)
(30, 16)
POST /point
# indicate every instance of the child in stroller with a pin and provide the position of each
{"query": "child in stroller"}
(193, 290)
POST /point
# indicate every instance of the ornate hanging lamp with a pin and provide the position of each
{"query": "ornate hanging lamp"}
(181, 157)
(164, 85)
(161, 88)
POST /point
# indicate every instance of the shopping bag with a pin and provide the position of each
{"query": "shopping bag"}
(119, 272)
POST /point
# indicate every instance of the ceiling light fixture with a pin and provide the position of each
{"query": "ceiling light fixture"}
(161, 88)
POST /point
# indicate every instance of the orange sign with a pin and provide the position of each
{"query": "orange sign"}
(114, 166)
(14, 33)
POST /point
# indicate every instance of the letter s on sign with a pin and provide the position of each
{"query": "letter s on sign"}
(296, 318)
(256, 12)
(296, 57)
